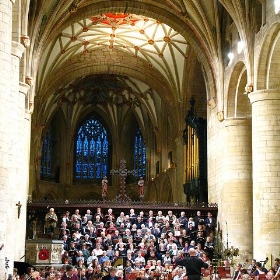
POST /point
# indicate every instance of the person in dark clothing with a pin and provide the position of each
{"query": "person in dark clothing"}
(111, 275)
(69, 273)
(193, 265)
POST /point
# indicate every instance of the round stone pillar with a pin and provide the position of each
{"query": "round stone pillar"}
(236, 207)
(5, 137)
(19, 155)
(266, 168)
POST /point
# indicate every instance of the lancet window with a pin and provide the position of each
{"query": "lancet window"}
(139, 155)
(46, 155)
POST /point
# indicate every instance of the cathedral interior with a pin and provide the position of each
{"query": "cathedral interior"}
(184, 94)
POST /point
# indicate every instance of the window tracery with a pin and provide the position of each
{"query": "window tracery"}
(91, 150)
(139, 155)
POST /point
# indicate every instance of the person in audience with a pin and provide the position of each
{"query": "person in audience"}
(199, 250)
(182, 219)
(198, 219)
(120, 219)
(252, 266)
(112, 274)
(167, 258)
(66, 219)
(97, 269)
(122, 249)
(259, 270)
(209, 247)
(191, 221)
(179, 274)
(57, 275)
(128, 267)
(69, 273)
(276, 264)
(171, 218)
(89, 273)
(88, 214)
(80, 264)
(81, 273)
(186, 248)
(77, 214)
(210, 223)
(98, 213)
(237, 272)
(140, 258)
(244, 274)
(75, 223)
(199, 238)
(110, 215)
(50, 221)
(166, 228)
(160, 218)
(111, 229)
(270, 274)
(277, 274)
(101, 229)
(191, 232)
(104, 258)
(205, 258)
(138, 266)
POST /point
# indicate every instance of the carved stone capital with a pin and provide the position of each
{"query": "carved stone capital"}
(25, 41)
(249, 88)
(29, 80)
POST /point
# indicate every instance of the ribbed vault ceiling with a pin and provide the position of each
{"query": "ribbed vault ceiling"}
(141, 37)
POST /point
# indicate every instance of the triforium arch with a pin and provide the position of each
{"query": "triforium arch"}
(238, 105)
(267, 62)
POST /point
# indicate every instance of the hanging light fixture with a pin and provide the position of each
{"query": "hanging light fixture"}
(277, 6)
(240, 46)
(230, 56)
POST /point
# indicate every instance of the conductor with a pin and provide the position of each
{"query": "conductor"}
(193, 265)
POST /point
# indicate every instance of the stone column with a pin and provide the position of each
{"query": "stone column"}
(236, 209)
(5, 136)
(17, 162)
(266, 164)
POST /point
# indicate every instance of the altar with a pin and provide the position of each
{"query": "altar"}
(43, 252)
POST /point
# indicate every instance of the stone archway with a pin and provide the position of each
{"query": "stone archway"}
(238, 104)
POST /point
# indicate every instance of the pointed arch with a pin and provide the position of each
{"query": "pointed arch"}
(46, 155)
(139, 154)
(91, 150)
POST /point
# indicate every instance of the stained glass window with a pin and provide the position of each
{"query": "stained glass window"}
(139, 155)
(91, 150)
(46, 155)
